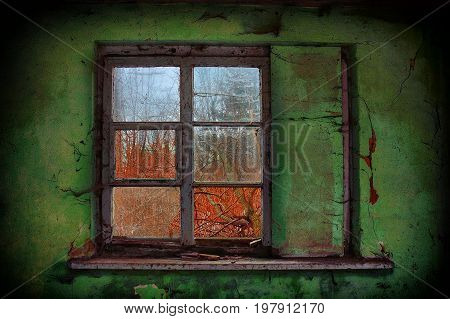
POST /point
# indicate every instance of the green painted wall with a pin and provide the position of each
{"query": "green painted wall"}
(308, 186)
(45, 144)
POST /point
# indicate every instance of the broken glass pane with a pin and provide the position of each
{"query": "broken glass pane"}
(146, 212)
(226, 212)
(231, 154)
(227, 94)
(148, 154)
(146, 94)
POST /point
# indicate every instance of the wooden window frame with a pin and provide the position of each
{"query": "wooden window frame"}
(154, 254)
(186, 58)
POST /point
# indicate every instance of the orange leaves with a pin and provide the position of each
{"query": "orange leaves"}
(227, 212)
(145, 212)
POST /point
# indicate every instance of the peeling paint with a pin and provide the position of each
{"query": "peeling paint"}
(373, 192)
(86, 250)
(373, 198)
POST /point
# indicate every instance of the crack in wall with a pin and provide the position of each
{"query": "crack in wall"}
(412, 65)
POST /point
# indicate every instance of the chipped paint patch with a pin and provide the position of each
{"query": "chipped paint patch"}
(86, 250)
(373, 192)
(150, 291)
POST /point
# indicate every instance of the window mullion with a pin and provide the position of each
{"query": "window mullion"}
(187, 224)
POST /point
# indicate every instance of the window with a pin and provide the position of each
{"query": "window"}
(193, 160)
(186, 151)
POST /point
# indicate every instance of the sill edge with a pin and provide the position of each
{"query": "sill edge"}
(319, 263)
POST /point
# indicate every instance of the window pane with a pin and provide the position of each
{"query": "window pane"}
(227, 94)
(145, 154)
(151, 212)
(221, 212)
(146, 94)
(231, 154)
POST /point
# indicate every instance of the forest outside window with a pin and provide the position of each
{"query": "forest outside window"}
(187, 150)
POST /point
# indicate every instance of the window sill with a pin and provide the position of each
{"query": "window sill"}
(322, 263)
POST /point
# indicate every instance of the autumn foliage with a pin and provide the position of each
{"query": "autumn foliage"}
(219, 212)
(227, 212)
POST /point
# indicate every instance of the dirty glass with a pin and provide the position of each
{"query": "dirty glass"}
(227, 212)
(146, 212)
(227, 94)
(146, 94)
(146, 154)
(227, 154)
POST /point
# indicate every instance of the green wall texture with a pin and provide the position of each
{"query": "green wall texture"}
(46, 148)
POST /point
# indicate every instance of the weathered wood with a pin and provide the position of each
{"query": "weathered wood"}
(98, 150)
(267, 155)
(195, 50)
(199, 256)
(158, 61)
(207, 242)
(232, 264)
(346, 141)
(226, 184)
(228, 124)
(135, 248)
(107, 157)
(146, 125)
(145, 182)
(187, 157)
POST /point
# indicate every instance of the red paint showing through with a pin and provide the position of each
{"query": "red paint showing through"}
(373, 192)
(368, 159)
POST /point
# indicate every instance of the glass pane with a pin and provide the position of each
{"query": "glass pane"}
(145, 154)
(227, 94)
(231, 154)
(146, 94)
(150, 212)
(221, 212)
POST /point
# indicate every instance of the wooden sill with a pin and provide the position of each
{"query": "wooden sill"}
(320, 263)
